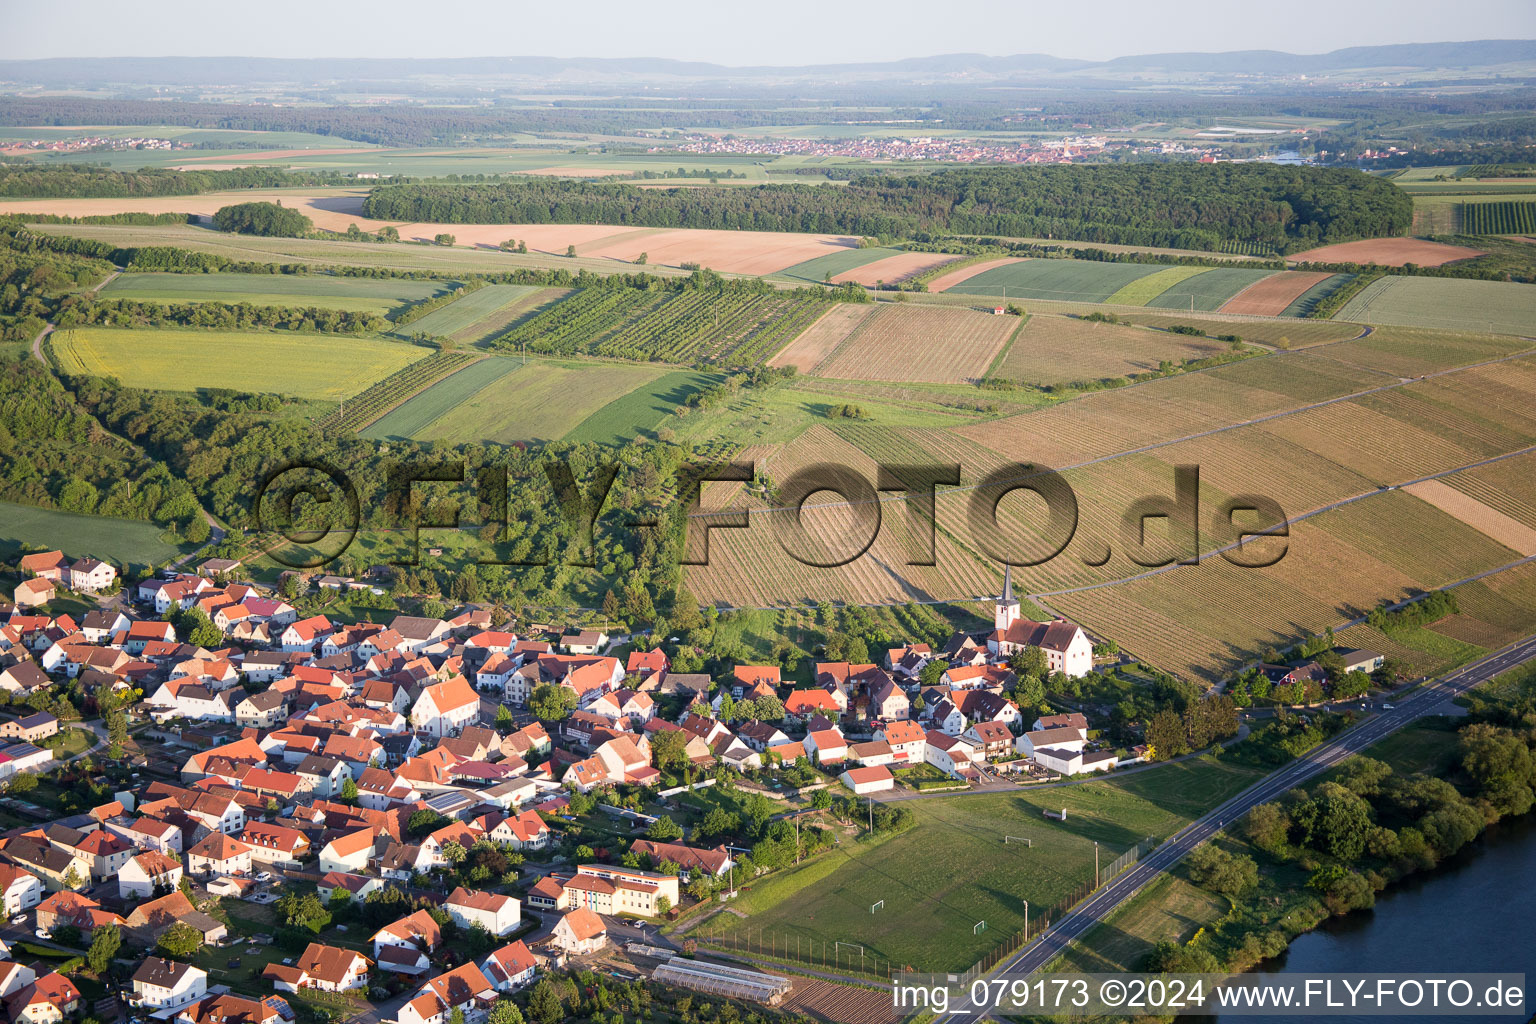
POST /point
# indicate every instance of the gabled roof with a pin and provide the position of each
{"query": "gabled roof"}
(584, 924)
(509, 961)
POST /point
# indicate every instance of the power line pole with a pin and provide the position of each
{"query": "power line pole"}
(1095, 865)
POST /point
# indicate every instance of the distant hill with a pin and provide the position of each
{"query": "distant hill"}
(70, 72)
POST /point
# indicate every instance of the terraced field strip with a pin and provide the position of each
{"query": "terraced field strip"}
(1273, 295)
(411, 418)
(362, 409)
(894, 269)
(1511, 533)
(1210, 290)
(1057, 349)
(513, 313)
(1498, 307)
(1079, 280)
(960, 275)
(841, 262)
(353, 294)
(326, 367)
(1143, 291)
(463, 314)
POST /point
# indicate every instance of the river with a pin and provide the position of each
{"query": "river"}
(1472, 913)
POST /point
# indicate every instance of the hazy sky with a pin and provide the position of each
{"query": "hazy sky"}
(734, 32)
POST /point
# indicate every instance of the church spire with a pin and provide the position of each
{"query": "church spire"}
(1007, 597)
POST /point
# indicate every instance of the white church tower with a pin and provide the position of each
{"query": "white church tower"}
(1007, 610)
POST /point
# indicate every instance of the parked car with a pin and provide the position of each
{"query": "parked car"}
(265, 876)
(44, 933)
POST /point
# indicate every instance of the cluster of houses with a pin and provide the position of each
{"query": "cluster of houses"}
(48, 572)
(309, 745)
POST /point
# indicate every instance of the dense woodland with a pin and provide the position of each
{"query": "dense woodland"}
(1180, 205)
(29, 180)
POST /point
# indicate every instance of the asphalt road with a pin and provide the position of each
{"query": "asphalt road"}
(1097, 907)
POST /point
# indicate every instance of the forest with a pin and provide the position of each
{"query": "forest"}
(72, 181)
(1180, 205)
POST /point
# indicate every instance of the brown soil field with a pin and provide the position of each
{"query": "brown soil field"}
(841, 1004)
(1058, 349)
(944, 281)
(920, 343)
(730, 252)
(1488, 521)
(893, 269)
(1389, 252)
(822, 337)
(1272, 295)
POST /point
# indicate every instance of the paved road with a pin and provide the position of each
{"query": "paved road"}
(1097, 907)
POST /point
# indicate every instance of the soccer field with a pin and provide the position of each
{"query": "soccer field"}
(954, 868)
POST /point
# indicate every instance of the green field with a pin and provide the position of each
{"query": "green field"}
(1145, 289)
(1497, 307)
(540, 403)
(953, 868)
(816, 270)
(1308, 300)
(641, 411)
(116, 540)
(326, 367)
(356, 294)
(1209, 290)
(440, 401)
(462, 316)
(1068, 280)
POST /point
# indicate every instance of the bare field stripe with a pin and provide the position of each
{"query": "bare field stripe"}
(1490, 522)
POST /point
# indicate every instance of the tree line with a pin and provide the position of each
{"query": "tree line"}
(1180, 205)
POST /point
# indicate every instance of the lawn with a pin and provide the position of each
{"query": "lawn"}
(304, 365)
(641, 411)
(1209, 290)
(953, 869)
(441, 401)
(1067, 280)
(117, 540)
(1498, 307)
(357, 294)
(68, 742)
(462, 314)
(541, 402)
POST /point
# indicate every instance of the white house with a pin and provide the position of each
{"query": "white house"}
(161, 984)
(1075, 762)
(20, 889)
(348, 852)
(146, 872)
(864, 781)
(495, 913)
(950, 754)
(510, 967)
(444, 709)
(1063, 737)
(579, 932)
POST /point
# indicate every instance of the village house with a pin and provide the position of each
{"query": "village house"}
(321, 967)
(34, 727)
(579, 933)
(91, 575)
(20, 890)
(50, 998)
(443, 709)
(509, 968)
(161, 984)
(865, 781)
(464, 988)
(1066, 647)
(949, 754)
(219, 854)
(495, 913)
(417, 931)
(147, 872)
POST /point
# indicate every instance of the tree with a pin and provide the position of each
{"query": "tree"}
(443, 239)
(664, 829)
(105, 942)
(669, 749)
(1029, 661)
(504, 720)
(72, 879)
(424, 821)
(551, 702)
(1029, 692)
(180, 941)
(454, 852)
(1500, 764)
(1222, 872)
(1165, 735)
(717, 824)
(663, 906)
(570, 250)
(1268, 827)
(505, 1012)
(348, 791)
(544, 1003)
(1343, 822)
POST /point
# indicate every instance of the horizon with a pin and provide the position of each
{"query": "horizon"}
(698, 32)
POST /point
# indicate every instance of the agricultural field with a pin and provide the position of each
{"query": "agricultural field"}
(944, 282)
(354, 294)
(643, 410)
(542, 402)
(1069, 280)
(1144, 290)
(908, 342)
(894, 269)
(1278, 294)
(1210, 290)
(362, 409)
(1058, 349)
(1500, 218)
(117, 540)
(1388, 252)
(1291, 333)
(692, 325)
(818, 341)
(440, 401)
(817, 270)
(929, 919)
(319, 366)
(460, 320)
(1450, 304)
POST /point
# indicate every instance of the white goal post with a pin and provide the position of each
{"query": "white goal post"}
(981, 926)
(1018, 839)
(877, 905)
